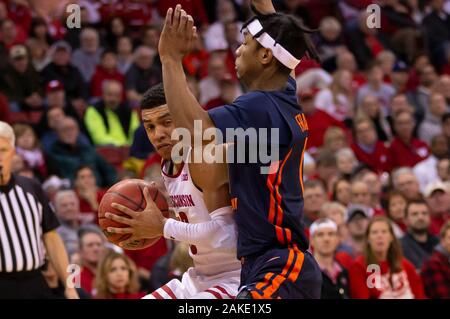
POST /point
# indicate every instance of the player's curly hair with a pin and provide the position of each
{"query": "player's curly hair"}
(289, 32)
(153, 97)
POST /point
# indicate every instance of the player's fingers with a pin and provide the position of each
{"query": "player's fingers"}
(130, 243)
(148, 198)
(115, 230)
(183, 20)
(168, 21)
(176, 17)
(194, 33)
(125, 210)
(190, 25)
(119, 219)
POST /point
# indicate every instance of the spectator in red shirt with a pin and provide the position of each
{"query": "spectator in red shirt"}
(107, 70)
(193, 7)
(88, 193)
(438, 199)
(396, 209)
(374, 186)
(405, 149)
(10, 35)
(367, 148)
(436, 271)
(92, 249)
(382, 272)
(346, 61)
(404, 180)
(196, 61)
(145, 259)
(117, 278)
(20, 13)
(318, 121)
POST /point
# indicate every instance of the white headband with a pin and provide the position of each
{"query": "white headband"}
(280, 53)
(321, 224)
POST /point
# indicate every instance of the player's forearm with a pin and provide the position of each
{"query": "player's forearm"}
(220, 232)
(264, 6)
(182, 104)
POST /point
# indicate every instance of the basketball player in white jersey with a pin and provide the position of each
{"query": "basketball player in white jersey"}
(200, 199)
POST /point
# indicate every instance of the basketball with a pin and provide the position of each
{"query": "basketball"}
(128, 193)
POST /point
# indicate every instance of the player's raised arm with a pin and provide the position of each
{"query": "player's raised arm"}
(177, 38)
(263, 6)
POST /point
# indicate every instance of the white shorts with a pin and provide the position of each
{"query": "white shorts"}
(193, 286)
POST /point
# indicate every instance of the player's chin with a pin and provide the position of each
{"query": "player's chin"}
(165, 152)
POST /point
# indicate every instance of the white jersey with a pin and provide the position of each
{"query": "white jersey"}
(189, 206)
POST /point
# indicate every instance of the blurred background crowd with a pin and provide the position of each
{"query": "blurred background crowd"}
(377, 107)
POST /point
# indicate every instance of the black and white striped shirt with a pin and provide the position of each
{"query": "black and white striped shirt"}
(25, 215)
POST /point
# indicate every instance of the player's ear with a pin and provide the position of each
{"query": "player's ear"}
(265, 56)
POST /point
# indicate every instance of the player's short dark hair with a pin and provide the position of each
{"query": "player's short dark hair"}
(289, 32)
(153, 97)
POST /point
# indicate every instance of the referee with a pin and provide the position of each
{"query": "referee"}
(27, 232)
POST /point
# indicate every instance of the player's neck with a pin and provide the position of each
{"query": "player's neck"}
(177, 168)
(268, 81)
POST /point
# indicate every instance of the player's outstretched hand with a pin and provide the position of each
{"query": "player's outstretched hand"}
(148, 223)
(178, 35)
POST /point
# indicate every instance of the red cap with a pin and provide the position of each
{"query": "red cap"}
(54, 85)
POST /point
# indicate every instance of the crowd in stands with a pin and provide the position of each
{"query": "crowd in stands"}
(376, 165)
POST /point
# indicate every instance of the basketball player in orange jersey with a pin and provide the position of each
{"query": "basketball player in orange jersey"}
(200, 198)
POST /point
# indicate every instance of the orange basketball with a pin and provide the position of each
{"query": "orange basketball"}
(129, 193)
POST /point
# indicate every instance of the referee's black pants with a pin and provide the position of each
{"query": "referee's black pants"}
(24, 285)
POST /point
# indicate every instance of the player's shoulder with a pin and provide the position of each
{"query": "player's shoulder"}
(255, 99)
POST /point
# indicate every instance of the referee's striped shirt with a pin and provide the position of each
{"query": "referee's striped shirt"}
(25, 215)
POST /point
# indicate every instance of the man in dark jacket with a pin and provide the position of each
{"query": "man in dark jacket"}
(418, 243)
(20, 82)
(437, 31)
(60, 69)
(68, 153)
(324, 239)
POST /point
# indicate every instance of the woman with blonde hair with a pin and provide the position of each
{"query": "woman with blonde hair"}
(338, 99)
(117, 278)
(335, 139)
(382, 272)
